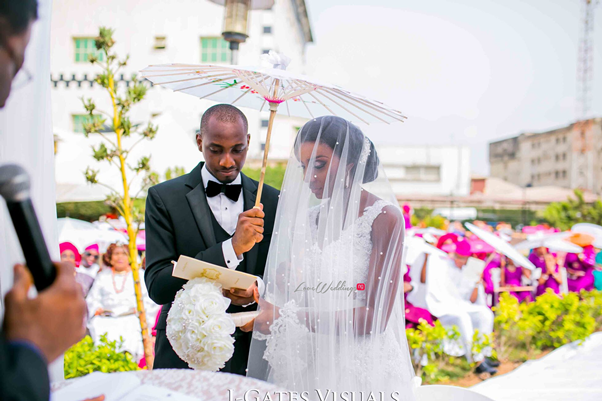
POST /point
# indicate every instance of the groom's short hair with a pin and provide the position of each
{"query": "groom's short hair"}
(224, 113)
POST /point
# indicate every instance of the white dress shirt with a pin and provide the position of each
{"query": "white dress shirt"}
(226, 213)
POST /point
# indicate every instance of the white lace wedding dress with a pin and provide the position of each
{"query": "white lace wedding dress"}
(288, 332)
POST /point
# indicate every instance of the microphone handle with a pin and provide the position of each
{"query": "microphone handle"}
(32, 242)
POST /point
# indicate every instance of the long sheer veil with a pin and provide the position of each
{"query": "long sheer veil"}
(333, 309)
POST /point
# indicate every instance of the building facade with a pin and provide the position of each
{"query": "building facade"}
(160, 32)
(568, 157)
(427, 170)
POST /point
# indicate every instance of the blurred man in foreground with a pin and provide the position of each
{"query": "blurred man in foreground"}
(35, 331)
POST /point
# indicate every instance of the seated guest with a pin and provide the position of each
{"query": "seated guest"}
(550, 276)
(69, 253)
(112, 303)
(452, 299)
(407, 215)
(580, 268)
(537, 257)
(89, 264)
(413, 314)
(512, 276)
(494, 262)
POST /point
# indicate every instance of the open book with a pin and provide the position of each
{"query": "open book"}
(125, 386)
(189, 268)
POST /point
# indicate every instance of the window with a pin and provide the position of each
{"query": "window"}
(79, 120)
(86, 47)
(265, 51)
(557, 157)
(557, 174)
(160, 42)
(564, 139)
(267, 30)
(214, 50)
(564, 156)
(265, 123)
(263, 147)
(563, 173)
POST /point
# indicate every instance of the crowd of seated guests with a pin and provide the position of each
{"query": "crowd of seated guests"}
(108, 286)
(436, 287)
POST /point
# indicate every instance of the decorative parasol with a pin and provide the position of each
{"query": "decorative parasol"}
(592, 229)
(82, 233)
(501, 246)
(554, 242)
(272, 88)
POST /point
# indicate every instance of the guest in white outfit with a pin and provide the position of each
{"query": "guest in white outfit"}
(453, 299)
(112, 303)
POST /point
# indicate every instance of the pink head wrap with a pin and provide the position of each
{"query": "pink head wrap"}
(68, 246)
(93, 247)
(463, 248)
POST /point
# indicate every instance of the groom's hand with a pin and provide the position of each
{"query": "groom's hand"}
(241, 297)
(249, 231)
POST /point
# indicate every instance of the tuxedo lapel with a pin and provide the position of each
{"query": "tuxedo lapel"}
(197, 200)
(249, 192)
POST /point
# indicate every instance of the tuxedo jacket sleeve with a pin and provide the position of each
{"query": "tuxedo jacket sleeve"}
(162, 286)
(23, 373)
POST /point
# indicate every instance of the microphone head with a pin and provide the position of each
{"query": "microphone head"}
(14, 183)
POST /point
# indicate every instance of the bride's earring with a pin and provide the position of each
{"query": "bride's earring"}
(347, 181)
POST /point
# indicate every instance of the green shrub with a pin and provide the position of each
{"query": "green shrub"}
(85, 357)
(550, 322)
(427, 345)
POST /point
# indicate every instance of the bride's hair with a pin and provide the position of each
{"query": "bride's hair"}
(334, 132)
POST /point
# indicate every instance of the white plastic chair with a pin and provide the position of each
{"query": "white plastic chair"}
(448, 393)
(564, 287)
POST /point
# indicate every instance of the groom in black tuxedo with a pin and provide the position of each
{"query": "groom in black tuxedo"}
(208, 214)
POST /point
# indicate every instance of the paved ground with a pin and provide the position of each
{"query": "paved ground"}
(570, 373)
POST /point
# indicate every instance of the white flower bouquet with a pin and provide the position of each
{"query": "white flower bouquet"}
(198, 327)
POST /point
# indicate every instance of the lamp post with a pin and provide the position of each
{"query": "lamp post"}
(236, 17)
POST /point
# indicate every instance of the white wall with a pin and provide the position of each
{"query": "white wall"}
(183, 22)
(453, 163)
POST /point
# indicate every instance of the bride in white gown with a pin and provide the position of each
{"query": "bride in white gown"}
(332, 315)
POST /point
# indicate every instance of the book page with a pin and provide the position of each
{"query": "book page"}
(190, 268)
(473, 270)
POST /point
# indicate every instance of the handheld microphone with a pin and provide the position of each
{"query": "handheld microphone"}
(15, 189)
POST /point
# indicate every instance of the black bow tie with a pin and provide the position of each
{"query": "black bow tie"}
(231, 191)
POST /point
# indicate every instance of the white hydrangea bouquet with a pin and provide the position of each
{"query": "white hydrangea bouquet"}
(198, 327)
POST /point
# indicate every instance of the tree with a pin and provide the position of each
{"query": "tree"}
(112, 150)
(564, 215)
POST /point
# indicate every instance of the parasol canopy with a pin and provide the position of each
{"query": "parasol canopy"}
(554, 242)
(82, 233)
(592, 229)
(270, 88)
(501, 246)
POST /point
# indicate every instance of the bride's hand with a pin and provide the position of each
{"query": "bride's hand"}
(265, 318)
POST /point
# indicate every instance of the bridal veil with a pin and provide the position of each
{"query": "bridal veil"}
(333, 308)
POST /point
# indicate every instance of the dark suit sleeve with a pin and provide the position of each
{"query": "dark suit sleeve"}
(161, 250)
(23, 373)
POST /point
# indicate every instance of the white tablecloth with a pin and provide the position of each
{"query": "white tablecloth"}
(206, 386)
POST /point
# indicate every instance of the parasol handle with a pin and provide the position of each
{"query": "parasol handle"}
(273, 108)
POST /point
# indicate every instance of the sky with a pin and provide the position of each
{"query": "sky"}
(464, 72)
